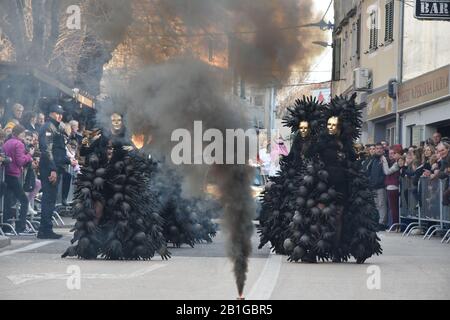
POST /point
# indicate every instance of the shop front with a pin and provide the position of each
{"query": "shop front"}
(424, 106)
(381, 124)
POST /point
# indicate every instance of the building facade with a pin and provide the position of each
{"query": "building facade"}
(380, 51)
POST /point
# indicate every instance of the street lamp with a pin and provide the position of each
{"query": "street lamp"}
(324, 26)
(323, 44)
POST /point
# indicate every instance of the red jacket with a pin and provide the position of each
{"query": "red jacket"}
(15, 149)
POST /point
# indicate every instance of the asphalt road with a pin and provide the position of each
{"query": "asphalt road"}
(410, 268)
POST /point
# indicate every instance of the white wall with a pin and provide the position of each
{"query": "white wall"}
(426, 45)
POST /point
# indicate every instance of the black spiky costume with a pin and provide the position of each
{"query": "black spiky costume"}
(285, 192)
(187, 220)
(129, 226)
(332, 209)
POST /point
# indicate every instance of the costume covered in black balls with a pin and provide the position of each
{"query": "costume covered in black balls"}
(357, 224)
(331, 206)
(286, 192)
(117, 212)
(187, 220)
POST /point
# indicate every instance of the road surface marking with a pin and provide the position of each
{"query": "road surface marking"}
(264, 286)
(22, 278)
(27, 248)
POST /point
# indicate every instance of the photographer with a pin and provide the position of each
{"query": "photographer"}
(15, 149)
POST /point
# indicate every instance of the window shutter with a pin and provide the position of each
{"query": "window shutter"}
(337, 60)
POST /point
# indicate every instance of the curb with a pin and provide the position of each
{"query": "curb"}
(4, 241)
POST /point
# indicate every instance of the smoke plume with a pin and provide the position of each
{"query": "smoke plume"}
(170, 96)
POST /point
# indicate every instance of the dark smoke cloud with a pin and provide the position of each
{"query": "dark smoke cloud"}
(269, 49)
(109, 19)
(167, 97)
(173, 95)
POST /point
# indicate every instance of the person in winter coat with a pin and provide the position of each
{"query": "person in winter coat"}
(20, 157)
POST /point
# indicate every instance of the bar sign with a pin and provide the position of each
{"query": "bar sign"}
(436, 9)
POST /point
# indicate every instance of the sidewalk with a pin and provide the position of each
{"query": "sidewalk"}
(4, 241)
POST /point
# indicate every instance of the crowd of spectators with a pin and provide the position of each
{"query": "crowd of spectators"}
(21, 140)
(386, 166)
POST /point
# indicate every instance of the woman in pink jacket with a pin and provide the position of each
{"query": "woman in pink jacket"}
(15, 149)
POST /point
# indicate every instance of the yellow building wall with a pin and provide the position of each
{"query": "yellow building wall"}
(382, 62)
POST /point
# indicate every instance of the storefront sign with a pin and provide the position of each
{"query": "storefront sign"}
(437, 9)
(426, 88)
(379, 105)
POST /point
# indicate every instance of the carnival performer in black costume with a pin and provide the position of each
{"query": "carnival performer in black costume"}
(338, 221)
(328, 207)
(356, 221)
(117, 212)
(286, 192)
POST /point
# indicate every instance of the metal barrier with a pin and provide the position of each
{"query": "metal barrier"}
(408, 206)
(2, 207)
(423, 206)
(59, 203)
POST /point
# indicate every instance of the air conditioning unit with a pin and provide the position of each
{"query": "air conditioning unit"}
(361, 79)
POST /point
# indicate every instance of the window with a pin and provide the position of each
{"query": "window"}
(373, 31)
(390, 134)
(356, 39)
(337, 59)
(389, 22)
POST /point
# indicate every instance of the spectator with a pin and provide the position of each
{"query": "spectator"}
(53, 160)
(385, 145)
(35, 140)
(2, 138)
(40, 121)
(436, 139)
(15, 149)
(76, 135)
(425, 168)
(2, 115)
(17, 114)
(4, 161)
(376, 182)
(444, 169)
(9, 128)
(392, 180)
(371, 153)
(29, 121)
(32, 184)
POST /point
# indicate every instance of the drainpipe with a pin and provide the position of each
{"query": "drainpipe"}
(398, 125)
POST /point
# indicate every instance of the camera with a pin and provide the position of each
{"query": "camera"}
(4, 159)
